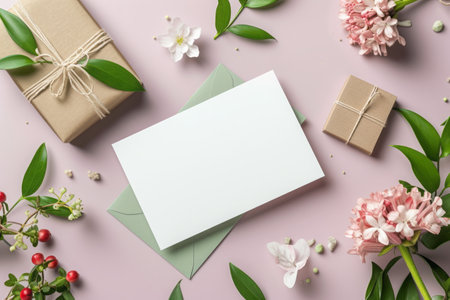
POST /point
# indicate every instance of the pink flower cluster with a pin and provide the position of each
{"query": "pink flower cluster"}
(391, 217)
(370, 25)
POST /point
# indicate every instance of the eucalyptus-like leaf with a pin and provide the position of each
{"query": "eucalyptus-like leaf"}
(432, 241)
(445, 140)
(409, 186)
(19, 31)
(246, 286)
(446, 205)
(15, 62)
(424, 169)
(35, 173)
(426, 134)
(113, 75)
(439, 273)
(408, 290)
(44, 201)
(176, 293)
(223, 15)
(259, 3)
(250, 32)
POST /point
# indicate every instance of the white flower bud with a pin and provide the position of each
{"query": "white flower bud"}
(62, 190)
(51, 190)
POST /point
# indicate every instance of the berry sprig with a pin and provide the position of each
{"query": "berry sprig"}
(34, 284)
(61, 204)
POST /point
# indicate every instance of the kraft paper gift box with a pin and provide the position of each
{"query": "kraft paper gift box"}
(359, 114)
(67, 25)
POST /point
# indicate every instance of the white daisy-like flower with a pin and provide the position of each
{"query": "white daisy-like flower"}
(180, 40)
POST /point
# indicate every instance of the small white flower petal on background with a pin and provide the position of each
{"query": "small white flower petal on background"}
(290, 278)
(180, 40)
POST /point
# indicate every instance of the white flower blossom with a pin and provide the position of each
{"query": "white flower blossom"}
(180, 40)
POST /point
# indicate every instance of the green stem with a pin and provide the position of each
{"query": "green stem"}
(231, 23)
(413, 270)
(15, 204)
(401, 4)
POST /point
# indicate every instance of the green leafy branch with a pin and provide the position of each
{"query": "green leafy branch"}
(107, 72)
(37, 284)
(223, 17)
(425, 167)
(62, 205)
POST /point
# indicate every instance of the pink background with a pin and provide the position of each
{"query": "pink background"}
(312, 65)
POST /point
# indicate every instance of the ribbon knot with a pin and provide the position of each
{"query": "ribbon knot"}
(362, 113)
(69, 71)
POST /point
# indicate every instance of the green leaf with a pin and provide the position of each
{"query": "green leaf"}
(426, 134)
(259, 3)
(176, 292)
(447, 182)
(424, 169)
(409, 186)
(113, 75)
(446, 205)
(59, 281)
(10, 283)
(386, 249)
(44, 201)
(432, 241)
(440, 275)
(39, 296)
(35, 173)
(19, 31)
(437, 297)
(223, 15)
(67, 295)
(445, 140)
(62, 272)
(374, 287)
(15, 61)
(445, 122)
(408, 290)
(245, 285)
(250, 32)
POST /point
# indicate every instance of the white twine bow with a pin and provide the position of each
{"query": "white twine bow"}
(445, 2)
(68, 70)
(362, 113)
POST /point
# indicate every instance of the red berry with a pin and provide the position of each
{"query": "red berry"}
(26, 294)
(54, 262)
(37, 259)
(2, 197)
(72, 276)
(44, 235)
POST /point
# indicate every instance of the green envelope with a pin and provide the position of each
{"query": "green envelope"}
(188, 256)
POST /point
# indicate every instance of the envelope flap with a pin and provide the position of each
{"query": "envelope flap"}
(125, 205)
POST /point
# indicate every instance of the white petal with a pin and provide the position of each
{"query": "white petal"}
(183, 48)
(393, 216)
(382, 237)
(273, 248)
(286, 256)
(290, 278)
(371, 221)
(177, 55)
(177, 24)
(195, 32)
(399, 227)
(193, 51)
(368, 233)
(302, 252)
(411, 214)
(166, 41)
(407, 231)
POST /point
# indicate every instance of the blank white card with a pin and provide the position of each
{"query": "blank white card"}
(217, 160)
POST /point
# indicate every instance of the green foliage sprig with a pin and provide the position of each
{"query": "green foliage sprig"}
(61, 205)
(38, 283)
(105, 71)
(425, 167)
(223, 17)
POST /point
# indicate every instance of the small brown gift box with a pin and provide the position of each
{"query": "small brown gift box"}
(360, 114)
(67, 25)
